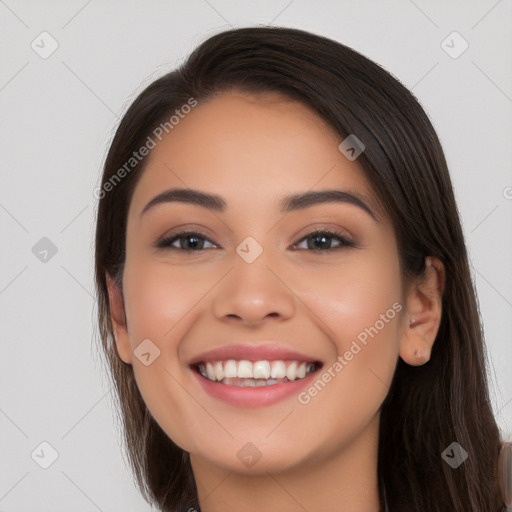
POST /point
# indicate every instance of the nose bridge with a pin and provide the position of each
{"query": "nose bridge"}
(252, 290)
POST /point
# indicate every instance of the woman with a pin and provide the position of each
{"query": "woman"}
(285, 301)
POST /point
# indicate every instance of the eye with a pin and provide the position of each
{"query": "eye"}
(320, 241)
(189, 241)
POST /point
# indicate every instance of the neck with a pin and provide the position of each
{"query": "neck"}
(344, 480)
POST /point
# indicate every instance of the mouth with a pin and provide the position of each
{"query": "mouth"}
(250, 375)
(245, 373)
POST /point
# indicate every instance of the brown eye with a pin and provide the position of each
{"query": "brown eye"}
(321, 241)
(188, 241)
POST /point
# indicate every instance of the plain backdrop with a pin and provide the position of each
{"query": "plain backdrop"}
(58, 115)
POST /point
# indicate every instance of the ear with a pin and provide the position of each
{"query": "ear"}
(422, 315)
(118, 319)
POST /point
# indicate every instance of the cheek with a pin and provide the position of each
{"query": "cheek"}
(353, 296)
(362, 312)
(157, 298)
(359, 309)
(159, 303)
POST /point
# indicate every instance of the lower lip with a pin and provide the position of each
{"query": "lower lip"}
(253, 396)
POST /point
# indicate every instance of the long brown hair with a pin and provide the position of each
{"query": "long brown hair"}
(428, 407)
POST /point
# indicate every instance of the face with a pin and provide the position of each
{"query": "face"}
(254, 274)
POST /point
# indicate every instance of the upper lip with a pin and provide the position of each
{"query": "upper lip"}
(251, 352)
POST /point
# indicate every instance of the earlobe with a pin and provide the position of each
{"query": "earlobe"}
(422, 316)
(118, 319)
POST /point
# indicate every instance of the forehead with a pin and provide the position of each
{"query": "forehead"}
(251, 149)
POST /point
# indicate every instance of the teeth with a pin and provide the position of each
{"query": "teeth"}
(257, 373)
(230, 369)
(209, 371)
(278, 370)
(291, 371)
(261, 370)
(219, 370)
(244, 370)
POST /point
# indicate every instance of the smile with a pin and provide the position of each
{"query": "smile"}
(252, 375)
(246, 373)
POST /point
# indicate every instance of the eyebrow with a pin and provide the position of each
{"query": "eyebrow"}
(287, 204)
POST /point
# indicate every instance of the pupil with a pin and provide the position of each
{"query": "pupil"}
(195, 241)
(320, 237)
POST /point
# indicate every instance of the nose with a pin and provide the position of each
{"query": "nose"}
(251, 293)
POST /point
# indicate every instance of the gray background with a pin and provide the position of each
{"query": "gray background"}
(58, 116)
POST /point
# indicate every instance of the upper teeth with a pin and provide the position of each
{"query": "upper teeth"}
(218, 370)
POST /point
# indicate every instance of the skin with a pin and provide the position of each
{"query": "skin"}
(252, 151)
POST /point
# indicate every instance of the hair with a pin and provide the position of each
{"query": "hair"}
(427, 407)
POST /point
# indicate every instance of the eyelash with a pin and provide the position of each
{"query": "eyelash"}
(165, 243)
